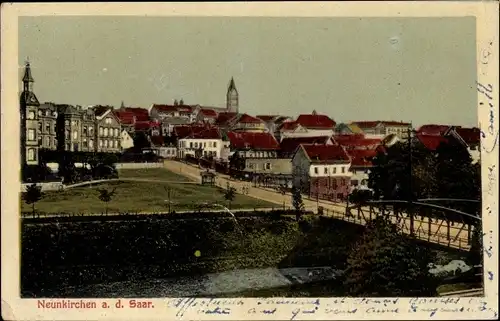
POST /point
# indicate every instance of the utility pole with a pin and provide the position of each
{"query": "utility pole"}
(410, 186)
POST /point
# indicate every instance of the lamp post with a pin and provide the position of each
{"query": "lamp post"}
(410, 183)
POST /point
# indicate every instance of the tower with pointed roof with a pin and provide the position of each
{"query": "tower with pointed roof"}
(29, 120)
(232, 97)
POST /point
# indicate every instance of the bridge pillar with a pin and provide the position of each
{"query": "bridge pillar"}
(448, 230)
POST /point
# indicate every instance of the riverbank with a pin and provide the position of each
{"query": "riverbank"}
(70, 255)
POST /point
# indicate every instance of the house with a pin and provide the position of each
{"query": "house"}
(358, 141)
(199, 141)
(468, 137)
(108, 129)
(47, 121)
(322, 171)
(126, 140)
(308, 125)
(206, 115)
(127, 119)
(361, 164)
(431, 142)
(433, 129)
(77, 128)
(149, 127)
(225, 120)
(253, 144)
(161, 148)
(289, 145)
(273, 121)
(347, 129)
(247, 123)
(380, 129)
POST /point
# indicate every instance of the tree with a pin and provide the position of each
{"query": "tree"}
(229, 195)
(475, 255)
(141, 141)
(384, 262)
(32, 195)
(297, 202)
(106, 196)
(237, 162)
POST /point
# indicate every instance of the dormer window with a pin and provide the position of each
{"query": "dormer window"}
(40, 113)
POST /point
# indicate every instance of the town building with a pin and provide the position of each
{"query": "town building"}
(199, 141)
(248, 123)
(433, 129)
(75, 128)
(308, 125)
(108, 130)
(274, 121)
(347, 129)
(47, 120)
(160, 147)
(232, 98)
(289, 145)
(29, 105)
(322, 171)
(126, 140)
(470, 138)
(380, 129)
(253, 144)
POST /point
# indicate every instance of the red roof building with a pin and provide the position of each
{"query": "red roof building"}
(471, 136)
(247, 119)
(316, 121)
(141, 114)
(432, 129)
(362, 158)
(357, 141)
(224, 119)
(125, 117)
(431, 142)
(325, 154)
(289, 145)
(252, 140)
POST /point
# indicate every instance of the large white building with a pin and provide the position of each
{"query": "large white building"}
(199, 141)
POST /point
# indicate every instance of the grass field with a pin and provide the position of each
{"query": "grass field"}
(138, 197)
(153, 173)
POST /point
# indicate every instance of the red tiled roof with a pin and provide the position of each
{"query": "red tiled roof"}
(257, 141)
(224, 118)
(362, 158)
(316, 121)
(289, 125)
(471, 136)
(125, 117)
(289, 144)
(431, 142)
(358, 140)
(208, 112)
(141, 114)
(325, 153)
(433, 129)
(146, 125)
(197, 131)
(247, 119)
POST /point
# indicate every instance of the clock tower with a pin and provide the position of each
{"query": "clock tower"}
(29, 120)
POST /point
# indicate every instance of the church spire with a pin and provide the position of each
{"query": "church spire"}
(232, 97)
(27, 79)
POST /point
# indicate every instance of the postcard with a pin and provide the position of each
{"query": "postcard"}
(250, 161)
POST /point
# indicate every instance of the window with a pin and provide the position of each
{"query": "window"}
(315, 170)
(101, 143)
(101, 131)
(215, 144)
(31, 154)
(91, 143)
(73, 123)
(190, 144)
(196, 145)
(117, 132)
(108, 121)
(343, 169)
(91, 131)
(75, 134)
(47, 141)
(40, 126)
(40, 113)
(84, 143)
(47, 127)
(325, 170)
(31, 115)
(105, 132)
(31, 134)
(75, 147)
(84, 130)
(335, 170)
(268, 166)
(106, 144)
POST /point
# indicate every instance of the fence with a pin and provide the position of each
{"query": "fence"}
(138, 165)
(49, 186)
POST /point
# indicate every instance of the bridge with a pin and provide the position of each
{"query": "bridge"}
(426, 221)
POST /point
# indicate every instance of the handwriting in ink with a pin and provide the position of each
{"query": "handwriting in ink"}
(217, 310)
(489, 251)
(491, 179)
(381, 310)
(340, 311)
(264, 311)
(490, 275)
(487, 91)
(295, 312)
(384, 302)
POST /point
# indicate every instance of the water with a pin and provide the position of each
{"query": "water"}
(209, 284)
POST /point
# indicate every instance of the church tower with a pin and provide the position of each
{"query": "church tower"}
(29, 120)
(232, 97)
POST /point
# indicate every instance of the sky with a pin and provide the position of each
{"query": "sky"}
(421, 70)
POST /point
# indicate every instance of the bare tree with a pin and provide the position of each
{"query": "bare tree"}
(106, 196)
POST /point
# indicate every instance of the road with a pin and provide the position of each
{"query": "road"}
(434, 231)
